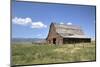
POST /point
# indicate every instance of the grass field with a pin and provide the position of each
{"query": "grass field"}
(43, 54)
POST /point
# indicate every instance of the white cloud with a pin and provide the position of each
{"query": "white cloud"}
(22, 21)
(69, 23)
(38, 24)
(61, 23)
(28, 21)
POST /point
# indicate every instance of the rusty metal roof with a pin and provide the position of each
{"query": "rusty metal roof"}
(70, 31)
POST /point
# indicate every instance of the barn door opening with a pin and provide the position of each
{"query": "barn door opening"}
(54, 40)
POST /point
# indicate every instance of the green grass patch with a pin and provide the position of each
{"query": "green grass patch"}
(43, 54)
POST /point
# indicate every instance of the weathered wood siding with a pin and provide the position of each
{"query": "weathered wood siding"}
(76, 40)
(53, 35)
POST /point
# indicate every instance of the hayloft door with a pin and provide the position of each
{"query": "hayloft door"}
(54, 40)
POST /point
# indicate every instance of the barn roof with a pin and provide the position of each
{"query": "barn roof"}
(69, 31)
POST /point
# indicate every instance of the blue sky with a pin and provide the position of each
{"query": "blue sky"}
(32, 20)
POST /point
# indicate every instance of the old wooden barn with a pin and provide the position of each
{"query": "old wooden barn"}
(63, 34)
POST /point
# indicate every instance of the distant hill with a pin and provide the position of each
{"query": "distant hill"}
(27, 39)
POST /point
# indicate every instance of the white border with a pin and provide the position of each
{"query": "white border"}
(5, 33)
(87, 2)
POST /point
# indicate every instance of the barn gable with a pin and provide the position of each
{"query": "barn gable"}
(53, 34)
